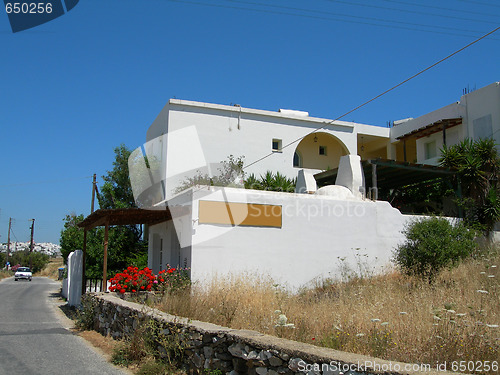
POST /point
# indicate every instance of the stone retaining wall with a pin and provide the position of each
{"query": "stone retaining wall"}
(234, 352)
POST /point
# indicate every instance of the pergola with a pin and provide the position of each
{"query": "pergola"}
(389, 174)
(120, 216)
(435, 127)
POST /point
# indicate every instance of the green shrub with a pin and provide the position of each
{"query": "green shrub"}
(85, 315)
(432, 244)
(24, 257)
(272, 182)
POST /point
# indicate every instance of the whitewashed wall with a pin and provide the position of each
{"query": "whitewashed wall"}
(225, 130)
(479, 110)
(317, 231)
(483, 105)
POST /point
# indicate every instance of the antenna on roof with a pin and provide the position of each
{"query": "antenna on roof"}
(467, 90)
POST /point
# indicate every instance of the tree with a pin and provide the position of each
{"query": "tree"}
(3, 260)
(117, 190)
(24, 257)
(71, 238)
(478, 164)
(125, 244)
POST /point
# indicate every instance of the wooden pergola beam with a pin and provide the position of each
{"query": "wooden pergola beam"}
(121, 216)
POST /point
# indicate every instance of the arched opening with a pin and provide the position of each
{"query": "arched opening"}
(297, 159)
(319, 151)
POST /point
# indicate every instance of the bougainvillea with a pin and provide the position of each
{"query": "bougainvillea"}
(134, 280)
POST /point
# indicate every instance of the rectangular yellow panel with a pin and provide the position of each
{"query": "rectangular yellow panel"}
(240, 214)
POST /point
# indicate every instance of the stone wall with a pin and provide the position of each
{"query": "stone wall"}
(211, 347)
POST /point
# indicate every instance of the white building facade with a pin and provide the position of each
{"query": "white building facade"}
(476, 116)
(233, 130)
(222, 231)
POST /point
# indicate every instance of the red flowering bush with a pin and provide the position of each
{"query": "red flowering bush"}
(134, 280)
(173, 278)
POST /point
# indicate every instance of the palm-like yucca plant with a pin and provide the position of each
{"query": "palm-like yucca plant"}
(267, 181)
(283, 183)
(478, 164)
(489, 212)
(270, 181)
(251, 182)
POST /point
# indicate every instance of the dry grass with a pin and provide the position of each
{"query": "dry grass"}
(390, 316)
(51, 269)
(4, 274)
(105, 345)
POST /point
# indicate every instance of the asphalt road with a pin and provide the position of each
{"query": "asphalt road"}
(35, 337)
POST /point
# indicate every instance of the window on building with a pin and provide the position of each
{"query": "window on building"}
(483, 127)
(430, 150)
(297, 160)
(322, 150)
(277, 143)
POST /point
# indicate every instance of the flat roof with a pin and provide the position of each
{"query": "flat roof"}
(288, 114)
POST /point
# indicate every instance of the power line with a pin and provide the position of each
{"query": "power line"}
(480, 3)
(391, 22)
(391, 25)
(378, 96)
(12, 231)
(441, 8)
(411, 11)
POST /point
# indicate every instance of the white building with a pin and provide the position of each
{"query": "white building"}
(223, 230)
(233, 130)
(476, 115)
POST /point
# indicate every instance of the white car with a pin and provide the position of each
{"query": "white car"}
(23, 273)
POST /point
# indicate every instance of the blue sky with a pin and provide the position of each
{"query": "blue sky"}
(73, 89)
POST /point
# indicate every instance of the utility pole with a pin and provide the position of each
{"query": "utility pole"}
(94, 187)
(31, 242)
(8, 240)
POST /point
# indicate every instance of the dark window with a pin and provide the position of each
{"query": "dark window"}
(277, 144)
(297, 160)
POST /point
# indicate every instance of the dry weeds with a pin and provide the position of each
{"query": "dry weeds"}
(390, 316)
(4, 274)
(51, 269)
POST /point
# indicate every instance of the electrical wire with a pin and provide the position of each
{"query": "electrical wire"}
(410, 11)
(378, 96)
(12, 231)
(391, 22)
(480, 3)
(441, 8)
(391, 25)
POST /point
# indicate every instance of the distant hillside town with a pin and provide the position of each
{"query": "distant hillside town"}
(41, 247)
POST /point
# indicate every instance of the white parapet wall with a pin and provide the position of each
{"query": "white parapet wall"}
(297, 239)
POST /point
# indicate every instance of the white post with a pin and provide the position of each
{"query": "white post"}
(75, 269)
